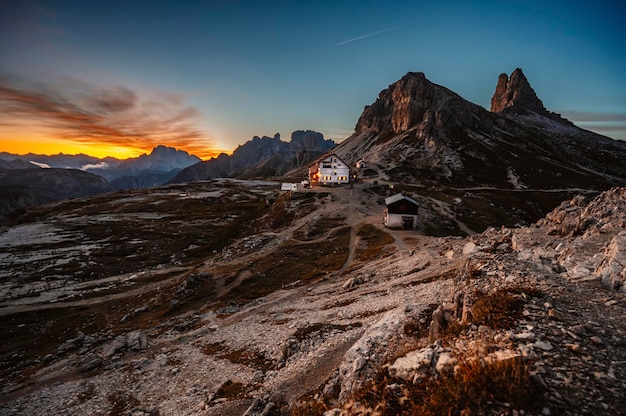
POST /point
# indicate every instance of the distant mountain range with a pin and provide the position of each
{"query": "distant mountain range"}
(163, 162)
(33, 179)
(261, 157)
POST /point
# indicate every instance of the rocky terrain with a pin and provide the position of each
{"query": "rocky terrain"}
(226, 297)
(230, 297)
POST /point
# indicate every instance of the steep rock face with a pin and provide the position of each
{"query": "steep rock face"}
(309, 139)
(411, 101)
(515, 95)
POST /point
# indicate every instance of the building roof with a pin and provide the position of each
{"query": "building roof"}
(398, 197)
(327, 155)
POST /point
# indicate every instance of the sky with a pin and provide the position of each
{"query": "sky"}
(117, 78)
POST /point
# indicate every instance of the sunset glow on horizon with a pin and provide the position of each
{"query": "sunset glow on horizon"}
(120, 78)
(73, 117)
(99, 150)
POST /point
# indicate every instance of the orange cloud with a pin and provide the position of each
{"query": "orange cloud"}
(84, 115)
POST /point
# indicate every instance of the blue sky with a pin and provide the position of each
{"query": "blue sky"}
(213, 74)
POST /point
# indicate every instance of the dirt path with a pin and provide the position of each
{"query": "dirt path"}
(53, 299)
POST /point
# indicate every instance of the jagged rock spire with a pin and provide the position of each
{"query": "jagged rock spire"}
(515, 95)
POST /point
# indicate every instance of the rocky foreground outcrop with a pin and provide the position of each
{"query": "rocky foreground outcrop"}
(548, 298)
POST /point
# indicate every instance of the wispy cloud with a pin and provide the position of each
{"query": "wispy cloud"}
(116, 115)
(612, 124)
(41, 165)
(101, 165)
(389, 29)
(593, 116)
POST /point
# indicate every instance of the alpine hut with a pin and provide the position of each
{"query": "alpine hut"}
(329, 170)
(401, 212)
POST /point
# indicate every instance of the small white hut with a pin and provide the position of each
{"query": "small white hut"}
(401, 212)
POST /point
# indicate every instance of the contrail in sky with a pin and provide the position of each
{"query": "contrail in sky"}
(368, 35)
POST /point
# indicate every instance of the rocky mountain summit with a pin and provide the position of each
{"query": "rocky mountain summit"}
(421, 133)
(304, 304)
(515, 95)
(261, 157)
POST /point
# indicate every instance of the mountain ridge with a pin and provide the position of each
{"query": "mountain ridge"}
(261, 157)
(422, 134)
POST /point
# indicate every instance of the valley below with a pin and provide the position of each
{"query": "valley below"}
(229, 297)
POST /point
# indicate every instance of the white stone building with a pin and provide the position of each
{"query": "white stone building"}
(329, 170)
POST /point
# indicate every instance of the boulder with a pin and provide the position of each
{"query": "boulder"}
(89, 363)
(612, 268)
(137, 340)
(414, 363)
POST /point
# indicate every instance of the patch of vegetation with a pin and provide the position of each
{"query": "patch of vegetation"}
(87, 393)
(230, 389)
(498, 310)
(122, 402)
(418, 327)
(475, 388)
(214, 348)
(248, 358)
(319, 228)
(239, 356)
(280, 215)
(369, 173)
(291, 262)
(374, 240)
(378, 190)
(305, 332)
(309, 409)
